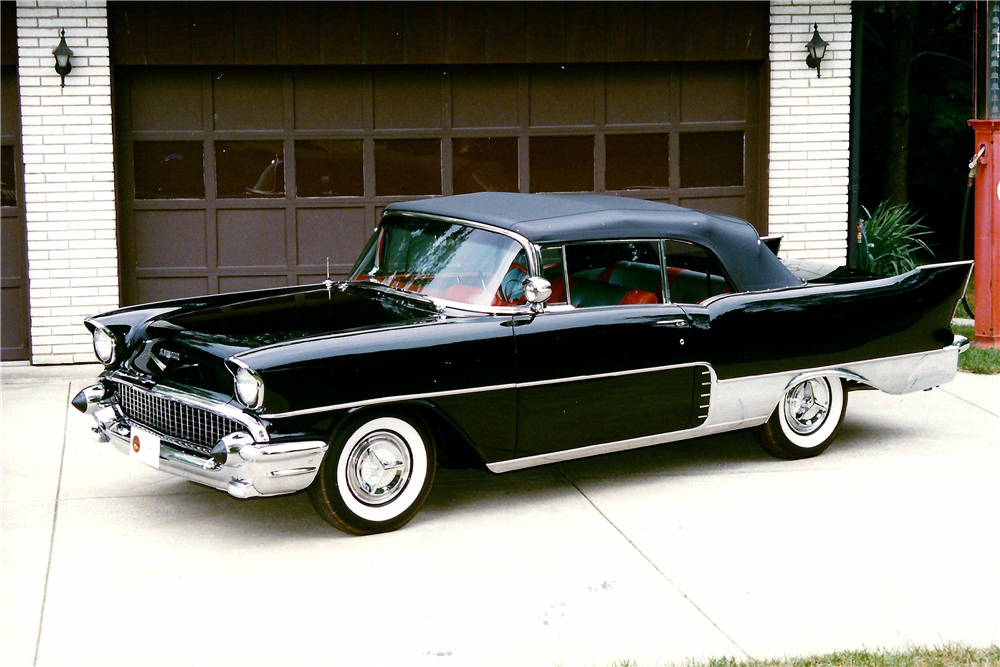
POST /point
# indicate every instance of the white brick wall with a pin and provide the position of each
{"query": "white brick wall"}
(69, 188)
(810, 129)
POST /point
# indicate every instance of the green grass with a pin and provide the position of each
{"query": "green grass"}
(950, 655)
(970, 297)
(976, 360)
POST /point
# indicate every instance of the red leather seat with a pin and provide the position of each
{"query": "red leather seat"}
(638, 296)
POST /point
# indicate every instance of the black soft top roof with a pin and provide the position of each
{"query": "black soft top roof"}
(545, 219)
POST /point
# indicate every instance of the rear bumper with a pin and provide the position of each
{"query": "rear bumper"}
(238, 465)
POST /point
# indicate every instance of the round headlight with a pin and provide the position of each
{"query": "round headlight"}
(104, 346)
(249, 388)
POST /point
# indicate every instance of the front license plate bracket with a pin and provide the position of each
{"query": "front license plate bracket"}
(145, 446)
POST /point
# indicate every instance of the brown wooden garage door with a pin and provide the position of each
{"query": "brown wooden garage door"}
(238, 178)
(14, 340)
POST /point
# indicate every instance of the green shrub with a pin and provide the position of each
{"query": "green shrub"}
(891, 240)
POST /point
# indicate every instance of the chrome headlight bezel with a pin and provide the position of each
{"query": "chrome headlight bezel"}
(248, 387)
(105, 346)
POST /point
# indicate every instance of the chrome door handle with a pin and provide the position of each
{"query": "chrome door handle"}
(679, 323)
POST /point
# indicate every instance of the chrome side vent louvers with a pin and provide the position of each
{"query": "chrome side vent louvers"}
(702, 394)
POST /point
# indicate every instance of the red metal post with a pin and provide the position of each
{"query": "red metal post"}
(987, 280)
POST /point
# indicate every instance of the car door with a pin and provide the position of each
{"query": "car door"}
(607, 364)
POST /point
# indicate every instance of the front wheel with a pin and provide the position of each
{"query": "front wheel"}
(376, 475)
(806, 420)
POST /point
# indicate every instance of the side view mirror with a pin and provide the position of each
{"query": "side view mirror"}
(536, 290)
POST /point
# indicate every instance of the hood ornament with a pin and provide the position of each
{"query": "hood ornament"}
(328, 284)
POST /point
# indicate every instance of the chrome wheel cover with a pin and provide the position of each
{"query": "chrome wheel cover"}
(807, 405)
(379, 466)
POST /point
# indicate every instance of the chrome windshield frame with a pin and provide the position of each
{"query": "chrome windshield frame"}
(530, 251)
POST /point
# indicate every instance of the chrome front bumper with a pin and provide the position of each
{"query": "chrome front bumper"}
(239, 465)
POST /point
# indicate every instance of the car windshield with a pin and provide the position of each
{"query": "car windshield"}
(446, 261)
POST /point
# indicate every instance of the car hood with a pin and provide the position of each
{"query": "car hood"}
(187, 342)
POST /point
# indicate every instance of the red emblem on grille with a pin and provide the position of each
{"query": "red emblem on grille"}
(135, 444)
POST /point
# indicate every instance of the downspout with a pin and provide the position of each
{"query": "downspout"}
(854, 175)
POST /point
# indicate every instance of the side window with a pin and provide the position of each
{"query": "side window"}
(693, 273)
(554, 271)
(605, 274)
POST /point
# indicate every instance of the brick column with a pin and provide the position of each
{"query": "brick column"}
(809, 151)
(69, 187)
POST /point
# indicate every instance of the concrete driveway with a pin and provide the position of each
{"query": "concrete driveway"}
(694, 550)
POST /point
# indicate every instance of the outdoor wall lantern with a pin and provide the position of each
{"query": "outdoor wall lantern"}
(817, 49)
(63, 54)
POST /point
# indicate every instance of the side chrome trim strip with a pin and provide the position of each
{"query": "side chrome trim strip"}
(618, 446)
(475, 390)
(600, 376)
(389, 399)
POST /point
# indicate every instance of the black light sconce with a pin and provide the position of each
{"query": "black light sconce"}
(63, 54)
(817, 50)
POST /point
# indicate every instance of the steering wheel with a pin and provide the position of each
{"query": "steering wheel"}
(511, 290)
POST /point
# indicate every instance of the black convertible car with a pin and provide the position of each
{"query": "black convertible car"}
(508, 331)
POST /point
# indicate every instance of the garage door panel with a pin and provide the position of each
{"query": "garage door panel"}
(561, 95)
(170, 239)
(330, 168)
(484, 164)
(407, 167)
(251, 282)
(10, 108)
(637, 161)
(561, 164)
(248, 99)
(15, 322)
(735, 205)
(712, 159)
(329, 98)
(161, 289)
(165, 99)
(251, 237)
(713, 93)
(704, 36)
(313, 278)
(638, 94)
(12, 241)
(335, 233)
(249, 169)
(169, 169)
(407, 99)
(484, 98)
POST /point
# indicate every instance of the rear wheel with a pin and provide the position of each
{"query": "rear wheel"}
(806, 420)
(376, 475)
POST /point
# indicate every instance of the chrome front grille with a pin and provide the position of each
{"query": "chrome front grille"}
(195, 428)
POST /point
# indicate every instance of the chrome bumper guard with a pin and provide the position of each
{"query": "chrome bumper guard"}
(238, 465)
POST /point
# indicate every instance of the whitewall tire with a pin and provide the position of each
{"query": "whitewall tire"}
(376, 475)
(806, 419)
